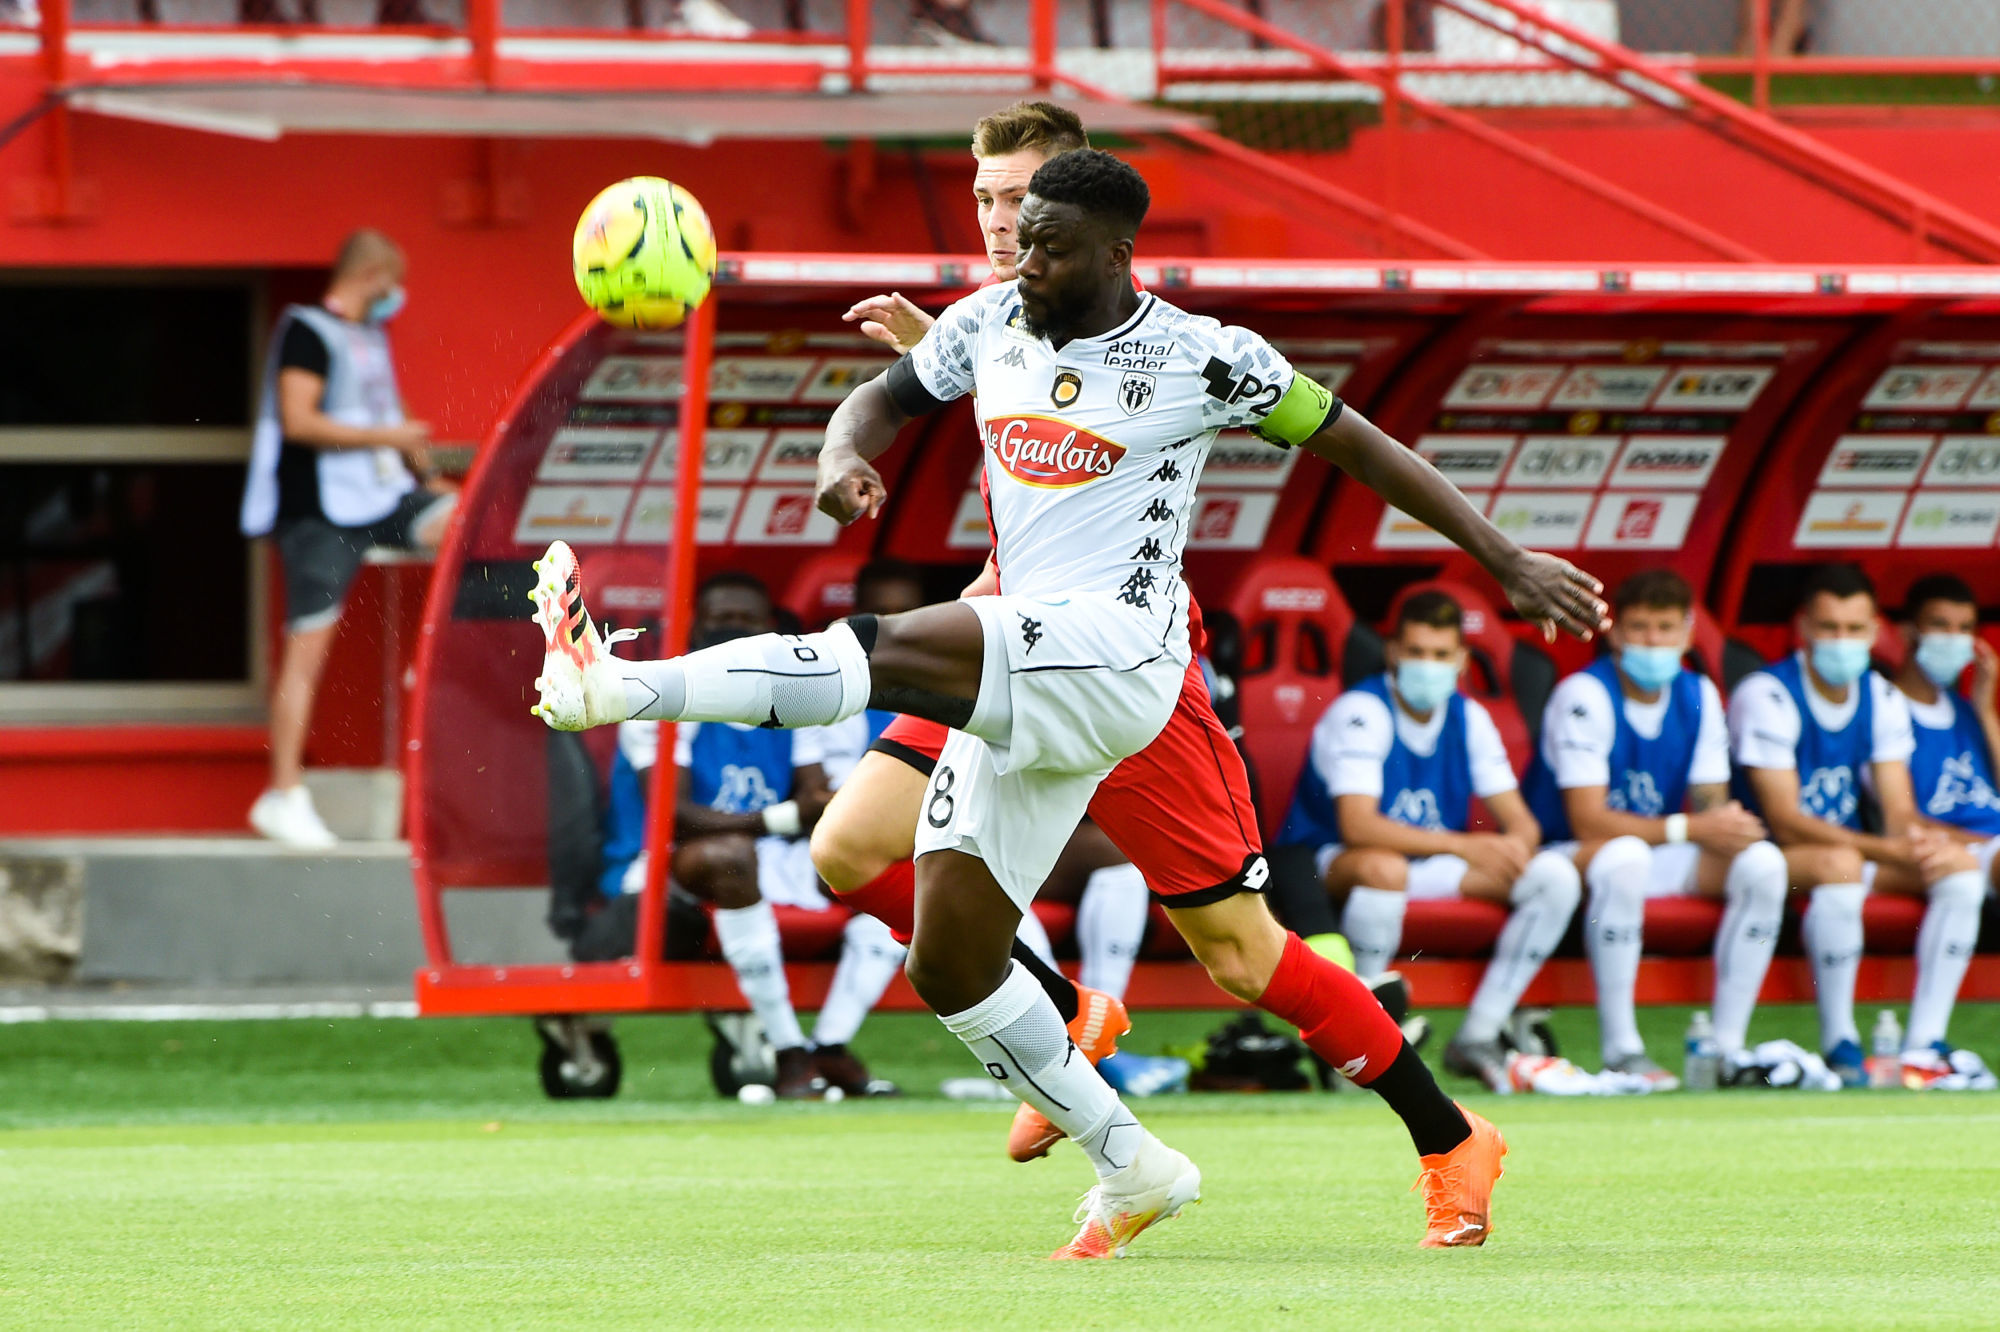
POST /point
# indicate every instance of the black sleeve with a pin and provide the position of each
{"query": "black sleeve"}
(908, 392)
(303, 349)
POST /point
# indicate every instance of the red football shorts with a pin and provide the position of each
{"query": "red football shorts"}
(1179, 808)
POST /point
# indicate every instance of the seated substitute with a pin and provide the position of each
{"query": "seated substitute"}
(1632, 780)
(746, 796)
(1386, 798)
(1956, 736)
(1809, 734)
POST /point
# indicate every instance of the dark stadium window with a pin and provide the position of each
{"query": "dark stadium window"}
(123, 354)
(122, 571)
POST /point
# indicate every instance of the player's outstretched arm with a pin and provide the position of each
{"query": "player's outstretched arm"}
(862, 429)
(1550, 592)
(891, 320)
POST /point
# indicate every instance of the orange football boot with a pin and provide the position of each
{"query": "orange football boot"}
(1100, 1021)
(1458, 1187)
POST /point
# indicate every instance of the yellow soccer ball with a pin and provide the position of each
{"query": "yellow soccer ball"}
(644, 253)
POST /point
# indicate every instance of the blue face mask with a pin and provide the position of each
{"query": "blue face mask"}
(1840, 661)
(1943, 657)
(385, 307)
(1425, 684)
(1650, 667)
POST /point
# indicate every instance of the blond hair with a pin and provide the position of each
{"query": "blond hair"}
(1041, 127)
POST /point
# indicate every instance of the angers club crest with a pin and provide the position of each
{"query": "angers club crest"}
(1067, 388)
(1135, 392)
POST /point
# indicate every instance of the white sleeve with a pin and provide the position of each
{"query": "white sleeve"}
(1764, 724)
(1711, 742)
(1351, 743)
(946, 359)
(809, 745)
(1244, 376)
(1577, 730)
(1492, 770)
(639, 742)
(1894, 739)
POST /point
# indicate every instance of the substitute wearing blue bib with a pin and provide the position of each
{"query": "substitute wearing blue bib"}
(1430, 791)
(1953, 773)
(1649, 774)
(733, 769)
(1830, 763)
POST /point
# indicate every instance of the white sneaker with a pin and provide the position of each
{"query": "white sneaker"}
(1157, 1183)
(289, 817)
(708, 18)
(580, 685)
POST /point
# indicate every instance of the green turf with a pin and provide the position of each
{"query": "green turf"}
(358, 1174)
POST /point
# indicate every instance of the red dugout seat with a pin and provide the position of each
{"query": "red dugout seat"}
(1295, 627)
(821, 589)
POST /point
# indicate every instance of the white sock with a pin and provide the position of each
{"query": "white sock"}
(869, 960)
(1032, 933)
(763, 680)
(1754, 891)
(1544, 898)
(1833, 941)
(1944, 950)
(1372, 920)
(749, 939)
(1612, 934)
(1110, 925)
(1020, 1038)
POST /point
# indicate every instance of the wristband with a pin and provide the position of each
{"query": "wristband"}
(782, 820)
(1677, 828)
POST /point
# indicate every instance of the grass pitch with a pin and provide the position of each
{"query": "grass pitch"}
(357, 1174)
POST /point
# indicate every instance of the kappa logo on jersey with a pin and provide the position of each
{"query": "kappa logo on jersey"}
(1067, 388)
(1015, 359)
(1135, 393)
(1031, 634)
(1960, 787)
(1044, 452)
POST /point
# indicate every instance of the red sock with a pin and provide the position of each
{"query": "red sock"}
(890, 897)
(1337, 1016)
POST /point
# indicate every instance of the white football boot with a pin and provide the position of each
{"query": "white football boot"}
(580, 683)
(1155, 1185)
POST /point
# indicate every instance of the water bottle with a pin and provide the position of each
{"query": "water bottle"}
(1699, 1071)
(1888, 1048)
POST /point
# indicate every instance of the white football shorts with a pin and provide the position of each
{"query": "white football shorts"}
(1430, 877)
(1089, 683)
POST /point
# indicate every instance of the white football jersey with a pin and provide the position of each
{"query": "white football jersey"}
(1093, 452)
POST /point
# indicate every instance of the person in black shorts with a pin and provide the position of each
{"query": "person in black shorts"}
(335, 469)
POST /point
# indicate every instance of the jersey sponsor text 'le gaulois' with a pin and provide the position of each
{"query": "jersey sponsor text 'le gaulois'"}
(1092, 452)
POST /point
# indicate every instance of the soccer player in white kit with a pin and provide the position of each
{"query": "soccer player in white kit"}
(1098, 407)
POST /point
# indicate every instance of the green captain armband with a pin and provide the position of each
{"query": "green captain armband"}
(1305, 410)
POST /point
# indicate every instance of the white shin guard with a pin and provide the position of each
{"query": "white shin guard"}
(1020, 1038)
(1754, 911)
(750, 944)
(1110, 926)
(1544, 898)
(1372, 920)
(1612, 932)
(1944, 949)
(1833, 939)
(870, 957)
(762, 680)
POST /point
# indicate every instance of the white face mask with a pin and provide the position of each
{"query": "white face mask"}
(1943, 657)
(1425, 684)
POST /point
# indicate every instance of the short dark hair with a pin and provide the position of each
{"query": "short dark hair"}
(1837, 580)
(1042, 127)
(1937, 587)
(1655, 589)
(1433, 608)
(1096, 182)
(885, 570)
(735, 578)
